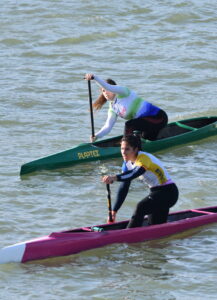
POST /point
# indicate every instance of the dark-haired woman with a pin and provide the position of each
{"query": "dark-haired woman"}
(140, 114)
(163, 191)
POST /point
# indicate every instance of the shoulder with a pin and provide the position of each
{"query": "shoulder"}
(126, 166)
(124, 92)
(143, 158)
(147, 159)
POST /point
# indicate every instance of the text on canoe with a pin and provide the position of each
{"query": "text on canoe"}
(87, 154)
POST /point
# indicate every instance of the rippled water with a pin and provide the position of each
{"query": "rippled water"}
(166, 51)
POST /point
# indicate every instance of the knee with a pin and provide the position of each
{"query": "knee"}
(141, 205)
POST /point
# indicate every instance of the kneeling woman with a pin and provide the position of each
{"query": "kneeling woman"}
(163, 191)
(138, 113)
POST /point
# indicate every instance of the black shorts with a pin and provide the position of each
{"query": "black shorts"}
(156, 205)
(149, 126)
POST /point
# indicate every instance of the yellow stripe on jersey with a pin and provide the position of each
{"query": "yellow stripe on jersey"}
(155, 171)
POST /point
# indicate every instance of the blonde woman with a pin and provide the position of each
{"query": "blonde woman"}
(140, 114)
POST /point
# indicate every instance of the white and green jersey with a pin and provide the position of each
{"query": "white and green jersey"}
(127, 105)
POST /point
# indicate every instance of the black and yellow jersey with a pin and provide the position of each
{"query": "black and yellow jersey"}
(148, 167)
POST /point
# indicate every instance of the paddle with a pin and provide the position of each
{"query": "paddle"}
(109, 202)
(91, 108)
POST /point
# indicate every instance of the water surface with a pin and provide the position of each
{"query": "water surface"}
(166, 51)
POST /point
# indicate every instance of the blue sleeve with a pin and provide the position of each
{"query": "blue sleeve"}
(121, 194)
(125, 179)
(131, 174)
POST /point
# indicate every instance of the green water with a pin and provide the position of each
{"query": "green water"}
(166, 51)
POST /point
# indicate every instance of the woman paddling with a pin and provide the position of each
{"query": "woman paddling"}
(140, 114)
(163, 191)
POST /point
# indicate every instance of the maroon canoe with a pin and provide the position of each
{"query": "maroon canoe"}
(81, 239)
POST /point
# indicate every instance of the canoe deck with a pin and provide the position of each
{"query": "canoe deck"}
(173, 217)
(81, 239)
(171, 130)
(174, 134)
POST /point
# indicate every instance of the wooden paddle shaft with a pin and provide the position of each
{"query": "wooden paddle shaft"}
(109, 202)
(91, 109)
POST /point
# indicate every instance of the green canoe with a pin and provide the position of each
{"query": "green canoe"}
(174, 134)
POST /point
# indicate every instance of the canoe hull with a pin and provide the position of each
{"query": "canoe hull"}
(82, 239)
(172, 135)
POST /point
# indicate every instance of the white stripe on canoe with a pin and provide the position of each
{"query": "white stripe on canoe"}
(13, 253)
